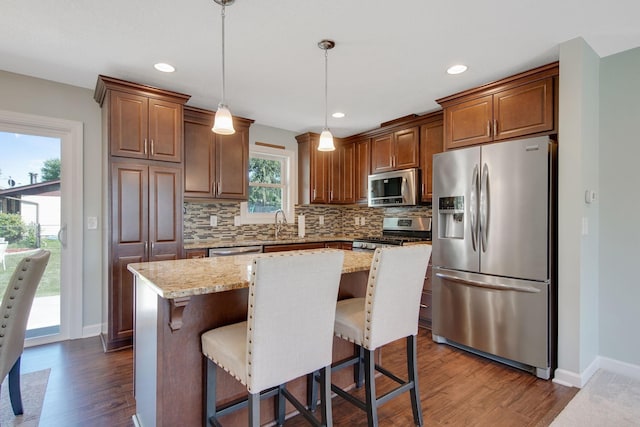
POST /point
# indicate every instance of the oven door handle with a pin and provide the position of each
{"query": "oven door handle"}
(480, 284)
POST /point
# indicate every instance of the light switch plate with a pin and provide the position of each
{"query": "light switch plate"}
(357, 221)
(236, 221)
(92, 223)
(213, 220)
(361, 220)
(321, 219)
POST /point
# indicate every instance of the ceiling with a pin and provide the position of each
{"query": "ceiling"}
(389, 61)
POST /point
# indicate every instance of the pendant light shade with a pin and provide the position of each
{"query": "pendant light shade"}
(326, 139)
(223, 123)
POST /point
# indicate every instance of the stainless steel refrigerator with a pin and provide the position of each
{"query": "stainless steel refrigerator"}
(494, 243)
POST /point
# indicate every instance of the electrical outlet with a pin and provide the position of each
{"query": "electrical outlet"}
(236, 221)
(357, 221)
(361, 220)
(321, 219)
(213, 220)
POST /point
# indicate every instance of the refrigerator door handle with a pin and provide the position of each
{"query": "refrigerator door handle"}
(498, 286)
(484, 208)
(473, 208)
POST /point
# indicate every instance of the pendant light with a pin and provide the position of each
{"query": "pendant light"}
(223, 123)
(326, 139)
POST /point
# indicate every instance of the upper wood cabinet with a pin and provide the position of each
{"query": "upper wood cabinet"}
(313, 170)
(325, 176)
(395, 150)
(341, 173)
(520, 105)
(431, 142)
(362, 169)
(143, 122)
(215, 166)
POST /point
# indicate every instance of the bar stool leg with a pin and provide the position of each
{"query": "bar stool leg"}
(370, 388)
(312, 395)
(280, 405)
(210, 392)
(254, 410)
(358, 370)
(325, 395)
(412, 367)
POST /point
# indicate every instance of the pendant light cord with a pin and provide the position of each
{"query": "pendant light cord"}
(326, 78)
(222, 13)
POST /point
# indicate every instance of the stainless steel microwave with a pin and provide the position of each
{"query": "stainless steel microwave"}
(395, 188)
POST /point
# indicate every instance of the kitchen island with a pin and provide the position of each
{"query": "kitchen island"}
(175, 302)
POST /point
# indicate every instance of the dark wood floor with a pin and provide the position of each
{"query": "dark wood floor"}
(90, 388)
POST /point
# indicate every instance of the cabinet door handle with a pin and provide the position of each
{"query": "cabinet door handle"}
(219, 188)
(152, 147)
(146, 247)
(153, 246)
(314, 194)
(495, 128)
(145, 146)
(488, 127)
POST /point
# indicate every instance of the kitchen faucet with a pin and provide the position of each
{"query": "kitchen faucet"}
(281, 224)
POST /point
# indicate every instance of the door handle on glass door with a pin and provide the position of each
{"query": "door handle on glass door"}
(484, 207)
(63, 232)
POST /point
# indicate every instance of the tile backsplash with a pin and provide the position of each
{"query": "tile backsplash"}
(338, 221)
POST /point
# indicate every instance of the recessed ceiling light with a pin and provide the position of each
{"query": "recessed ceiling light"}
(457, 69)
(165, 68)
(337, 115)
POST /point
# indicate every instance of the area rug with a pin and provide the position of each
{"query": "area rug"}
(608, 400)
(33, 386)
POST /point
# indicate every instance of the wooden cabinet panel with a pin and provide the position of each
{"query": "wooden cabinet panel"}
(425, 313)
(397, 150)
(345, 246)
(341, 173)
(165, 131)
(382, 153)
(431, 142)
(362, 170)
(128, 124)
(293, 247)
(215, 166)
(232, 165)
(406, 148)
(195, 253)
(319, 173)
(165, 213)
(199, 153)
(469, 122)
(524, 110)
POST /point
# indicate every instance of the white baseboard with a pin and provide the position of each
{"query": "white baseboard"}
(91, 330)
(572, 379)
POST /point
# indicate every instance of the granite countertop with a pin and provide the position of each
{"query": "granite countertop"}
(228, 243)
(189, 277)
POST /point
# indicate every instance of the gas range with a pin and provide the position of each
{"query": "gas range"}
(397, 232)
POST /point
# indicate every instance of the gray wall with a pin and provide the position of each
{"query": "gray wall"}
(29, 95)
(620, 206)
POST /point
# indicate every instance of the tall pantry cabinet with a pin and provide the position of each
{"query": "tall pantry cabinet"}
(143, 130)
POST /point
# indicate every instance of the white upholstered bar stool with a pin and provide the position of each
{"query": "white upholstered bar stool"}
(388, 312)
(288, 334)
(14, 315)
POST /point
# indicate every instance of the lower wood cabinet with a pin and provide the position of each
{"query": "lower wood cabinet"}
(346, 246)
(293, 247)
(425, 315)
(195, 253)
(146, 225)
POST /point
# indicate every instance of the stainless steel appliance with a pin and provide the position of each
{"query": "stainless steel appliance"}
(397, 188)
(236, 250)
(494, 276)
(396, 232)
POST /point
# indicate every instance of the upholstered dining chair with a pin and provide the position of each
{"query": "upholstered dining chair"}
(14, 314)
(288, 334)
(388, 312)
